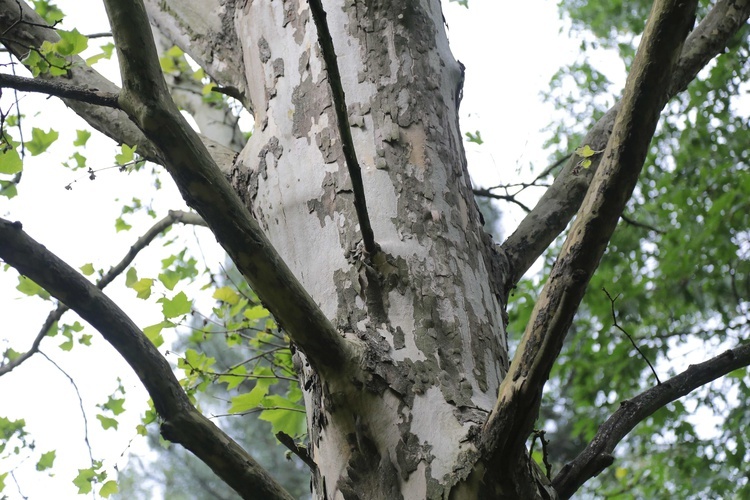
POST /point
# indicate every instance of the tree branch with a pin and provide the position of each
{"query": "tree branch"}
(183, 423)
(210, 40)
(342, 118)
(106, 279)
(598, 454)
(642, 225)
(486, 193)
(519, 396)
(146, 100)
(60, 89)
(561, 201)
(23, 30)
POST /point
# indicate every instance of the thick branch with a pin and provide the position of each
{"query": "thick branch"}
(182, 422)
(146, 100)
(561, 201)
(644, 97)
(23, 30)
(598, 454)
(59, 89)
(342, 119)
(106, 279)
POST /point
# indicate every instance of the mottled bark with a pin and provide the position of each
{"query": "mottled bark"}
(400, 339)
(424, 306)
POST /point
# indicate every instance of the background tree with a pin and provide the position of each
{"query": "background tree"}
(396, 318)
(676, 272)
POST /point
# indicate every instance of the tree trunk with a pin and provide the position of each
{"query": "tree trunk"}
(423, 309)
(364, 239)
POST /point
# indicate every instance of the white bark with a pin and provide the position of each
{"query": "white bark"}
(438, 353)
(203, 29)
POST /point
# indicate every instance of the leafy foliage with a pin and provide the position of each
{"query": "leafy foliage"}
(678, 264)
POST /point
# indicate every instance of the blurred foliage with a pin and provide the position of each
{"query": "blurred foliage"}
(222, 352)
(679, 269)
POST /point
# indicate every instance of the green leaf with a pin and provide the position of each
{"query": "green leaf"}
(40, 140)
(256, 312)
(85, 339)
(2, 480)
(84, 479)
(131, 277)
(8, 189)
(121, 225)
(53, 329)
(246, 402)
(252, 399)
(28, 287)
(106, 53)
(11, 354)
(87, 269)
(10, 162)
(169, 279)
(153, 332)
(68, 344)
(115, 405)
(36, 63)
(46, 461)
(126, 155)
(282, 420)
(107, 422)
(79, 159)
(208, 88)
(476, 137)
(168, 64)
(234, 378)
(108, 489)
(48, 11)
(177, 306)
(143, 287)
(175, 51)
(108, 49)
(586, 151)
(90, 61)
(226, 294)
(71, 43)
(82, 136)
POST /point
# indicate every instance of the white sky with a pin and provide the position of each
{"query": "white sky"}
(509, 62)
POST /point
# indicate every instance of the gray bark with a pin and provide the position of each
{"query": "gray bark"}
(401, 344)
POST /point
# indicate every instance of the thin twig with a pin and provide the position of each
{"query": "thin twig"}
(643, 225)
(342, 115)
(80, 404)
(18, 485)
(485, 193)
(106, 279)
(614, 318)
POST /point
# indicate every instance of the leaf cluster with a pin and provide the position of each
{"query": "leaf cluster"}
(678, 265)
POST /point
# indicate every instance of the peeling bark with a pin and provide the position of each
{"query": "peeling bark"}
(402, 351)
(428, 315)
